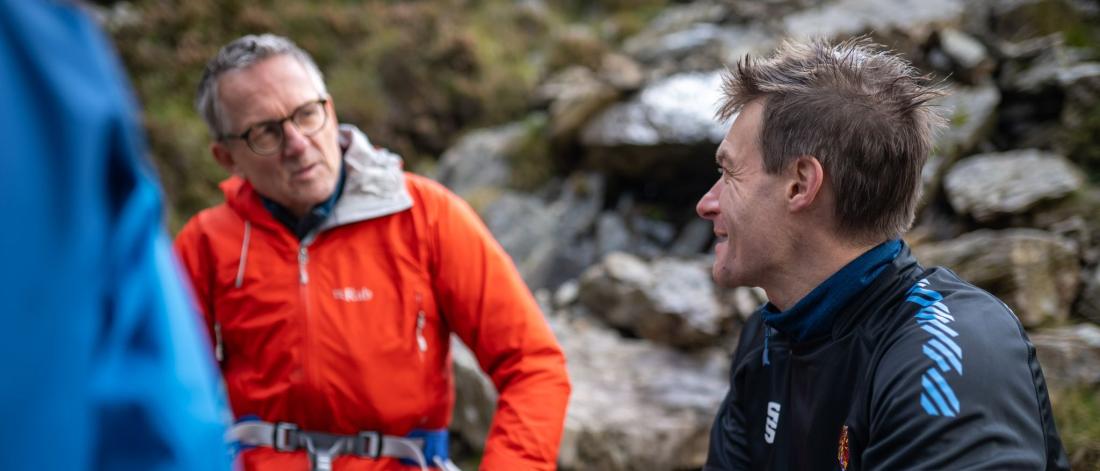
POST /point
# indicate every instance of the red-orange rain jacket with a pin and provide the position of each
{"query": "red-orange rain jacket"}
(348, 331)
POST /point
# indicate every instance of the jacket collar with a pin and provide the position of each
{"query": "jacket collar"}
(374, 186)
(813, 315)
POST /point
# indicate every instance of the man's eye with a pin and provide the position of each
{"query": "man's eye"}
(266, 129)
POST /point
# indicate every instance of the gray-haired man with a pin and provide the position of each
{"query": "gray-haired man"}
(332, 281)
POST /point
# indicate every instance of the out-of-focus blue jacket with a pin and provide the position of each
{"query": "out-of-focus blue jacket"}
(103, 363)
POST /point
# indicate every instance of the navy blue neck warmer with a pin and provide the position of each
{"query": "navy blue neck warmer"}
(813, 315)
(311, 220)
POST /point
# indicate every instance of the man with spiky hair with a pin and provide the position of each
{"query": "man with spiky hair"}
(862, 359)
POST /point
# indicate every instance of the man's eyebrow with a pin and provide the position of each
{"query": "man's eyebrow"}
(720, 156)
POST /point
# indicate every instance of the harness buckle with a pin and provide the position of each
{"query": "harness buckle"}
(368, 444)
(284, 437)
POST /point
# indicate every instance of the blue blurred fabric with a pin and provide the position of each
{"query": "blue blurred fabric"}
(103, 361)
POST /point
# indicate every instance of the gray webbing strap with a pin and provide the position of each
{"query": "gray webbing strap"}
(324, 447)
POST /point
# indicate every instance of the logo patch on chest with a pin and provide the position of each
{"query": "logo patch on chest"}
(772, 422)
(842, 449)
(352, 295)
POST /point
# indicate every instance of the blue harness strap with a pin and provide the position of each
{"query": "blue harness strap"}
(437, 445)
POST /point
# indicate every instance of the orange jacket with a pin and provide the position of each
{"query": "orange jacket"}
(349, 330)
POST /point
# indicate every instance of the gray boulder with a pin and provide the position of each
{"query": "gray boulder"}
(676, 110)
(989, 186)
(636, 405)
(612, 234)
(1088, 304)
(971, 115)
(1080, 118)
(1036, 273)
(965, 56)
(845, 18)
(480, 160)
(677, 32)
(475, 397)
(544, 238)
(579, 96)
(743, 300)
(662, 135)
(1054, 71)
(1070, 355)
(693, 238)
(670, 301)
(1019, 20)
(1076, 217)
(700, 46)
(620, 72)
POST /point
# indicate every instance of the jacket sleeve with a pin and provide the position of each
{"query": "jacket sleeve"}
(960, 389)
(490, 308)
(729, 443)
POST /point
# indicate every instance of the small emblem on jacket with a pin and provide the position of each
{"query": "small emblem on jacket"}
(842, 449)
(352, 295)
(772, 423)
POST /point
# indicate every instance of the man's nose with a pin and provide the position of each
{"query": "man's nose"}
(294, 142)
(707, 207)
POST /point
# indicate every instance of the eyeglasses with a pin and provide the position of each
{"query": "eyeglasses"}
(267, 138)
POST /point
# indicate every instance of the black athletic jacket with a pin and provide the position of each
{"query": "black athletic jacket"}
(920, 370)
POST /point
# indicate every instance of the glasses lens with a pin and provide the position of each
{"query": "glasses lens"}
(265, 138)
(310, 118)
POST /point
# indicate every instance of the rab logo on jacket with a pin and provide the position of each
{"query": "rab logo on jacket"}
(772, 423)
(352, 295)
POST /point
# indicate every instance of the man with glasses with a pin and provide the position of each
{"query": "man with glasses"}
(331, 282)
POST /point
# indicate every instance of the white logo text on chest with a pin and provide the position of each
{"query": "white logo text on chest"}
(772, 422)
(352, 295)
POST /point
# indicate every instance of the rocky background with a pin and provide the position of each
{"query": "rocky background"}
(583, 133)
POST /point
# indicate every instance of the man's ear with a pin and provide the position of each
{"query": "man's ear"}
(804, 187)
(223, 157)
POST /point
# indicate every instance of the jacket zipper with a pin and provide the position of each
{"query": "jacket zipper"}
(303, 292)
(303, 260)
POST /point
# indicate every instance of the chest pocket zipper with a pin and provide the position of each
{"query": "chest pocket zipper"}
(421, 320)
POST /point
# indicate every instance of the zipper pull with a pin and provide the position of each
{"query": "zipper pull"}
(420, 340)
(421, 320)
(303, 259)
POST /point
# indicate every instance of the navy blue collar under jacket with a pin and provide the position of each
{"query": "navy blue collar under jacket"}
(813, 315)
(311, 220)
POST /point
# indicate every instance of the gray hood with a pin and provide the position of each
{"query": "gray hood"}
(374, 184)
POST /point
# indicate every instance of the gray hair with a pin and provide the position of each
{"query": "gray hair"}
(239, 54)
(862, 112)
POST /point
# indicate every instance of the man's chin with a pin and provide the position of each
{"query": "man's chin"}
(721, 277)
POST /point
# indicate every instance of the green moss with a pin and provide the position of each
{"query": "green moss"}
(575, 45)
(1081, 142)
(1077, 413)
(1049, 17)
(530, 158)
(960, 117)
